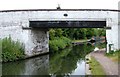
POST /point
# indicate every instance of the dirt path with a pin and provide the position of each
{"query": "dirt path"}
(109, 66)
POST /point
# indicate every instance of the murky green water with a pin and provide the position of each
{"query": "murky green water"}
(70, 61)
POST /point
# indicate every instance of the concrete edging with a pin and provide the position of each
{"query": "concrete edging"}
(87, 66)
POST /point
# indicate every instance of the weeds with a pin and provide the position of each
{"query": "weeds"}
(11, 50)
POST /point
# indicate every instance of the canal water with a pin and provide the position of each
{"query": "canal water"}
(70, 61)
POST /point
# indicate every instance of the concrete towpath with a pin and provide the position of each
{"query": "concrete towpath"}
(108, 65)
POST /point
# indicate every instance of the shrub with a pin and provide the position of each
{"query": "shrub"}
(11, 50)
(53, 46)
(59, 43)
(66, 40)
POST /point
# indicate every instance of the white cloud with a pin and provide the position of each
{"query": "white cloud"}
(52, 4)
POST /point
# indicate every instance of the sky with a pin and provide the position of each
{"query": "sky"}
(52, 4)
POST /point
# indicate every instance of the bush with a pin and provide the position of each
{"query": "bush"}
(59, 43)
(53, 45)
(66, 40)
(11, 50)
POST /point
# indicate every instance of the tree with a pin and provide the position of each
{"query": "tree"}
(52, 34)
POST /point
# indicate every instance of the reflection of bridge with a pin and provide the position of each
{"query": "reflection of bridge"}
(31, 26)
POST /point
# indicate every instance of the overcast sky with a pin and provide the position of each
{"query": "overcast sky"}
(52, 4)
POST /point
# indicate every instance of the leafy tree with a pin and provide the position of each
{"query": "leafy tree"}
(52, 33)
(58, 32)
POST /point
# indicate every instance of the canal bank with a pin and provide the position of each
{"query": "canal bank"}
(93, 67)
(104, 65)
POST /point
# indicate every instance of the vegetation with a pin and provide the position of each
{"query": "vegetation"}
(57, 40)
(82, 33)
(114, 55)
(61, 37)
(11, 50)
(81, 40)
(59, 43)
(96, 68)
(76, 33)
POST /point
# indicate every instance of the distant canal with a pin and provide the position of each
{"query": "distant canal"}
(70, 61)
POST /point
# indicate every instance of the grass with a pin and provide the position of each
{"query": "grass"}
(114, 55)
(11, 50)
(96, 68)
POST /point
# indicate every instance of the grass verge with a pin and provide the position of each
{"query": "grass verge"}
(96, 68)
(114, 55)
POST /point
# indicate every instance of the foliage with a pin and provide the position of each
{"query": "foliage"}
(101, 32)
(55, 33)
(90, 32)
(79, 33)
(96, 68)
(60, 37)
(11, 50)
(76, 33)
(52, 33)
(59, 43)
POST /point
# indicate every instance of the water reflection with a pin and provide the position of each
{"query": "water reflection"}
(70, 61)
(98, 44)
(34, 66)
(80, 70)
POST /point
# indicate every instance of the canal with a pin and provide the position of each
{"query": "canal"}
(70, 61)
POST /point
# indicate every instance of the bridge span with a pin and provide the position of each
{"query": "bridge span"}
(31, 26)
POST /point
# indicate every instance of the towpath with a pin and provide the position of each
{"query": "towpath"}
(108, 65)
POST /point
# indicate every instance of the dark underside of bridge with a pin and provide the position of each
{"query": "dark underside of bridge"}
(67, 24)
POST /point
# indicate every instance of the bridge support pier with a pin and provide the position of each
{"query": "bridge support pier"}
(112, 37)
(37, 42)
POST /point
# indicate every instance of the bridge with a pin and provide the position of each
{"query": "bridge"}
(31, 26)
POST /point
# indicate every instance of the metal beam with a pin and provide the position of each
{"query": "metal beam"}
(68, 24)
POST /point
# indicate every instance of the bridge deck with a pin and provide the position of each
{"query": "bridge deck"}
(68, 24)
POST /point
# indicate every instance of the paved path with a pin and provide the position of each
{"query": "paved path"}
(109, 66)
